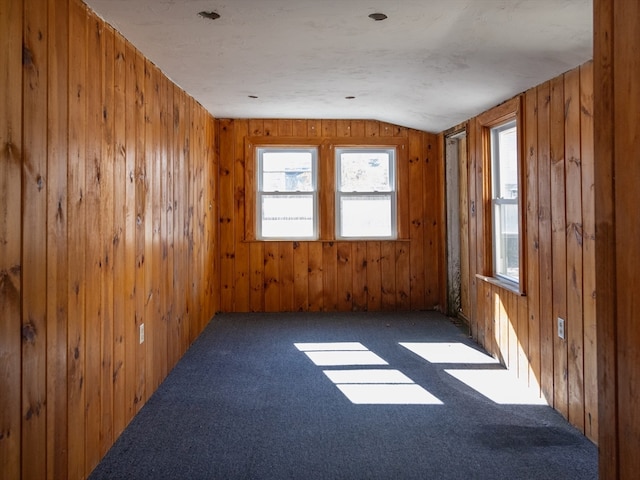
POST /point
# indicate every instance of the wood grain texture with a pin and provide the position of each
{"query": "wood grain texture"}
(10, 236)
(559, 201)
(87, 225)
(329, 275)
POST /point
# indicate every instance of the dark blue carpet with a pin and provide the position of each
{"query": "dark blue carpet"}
(244, 403)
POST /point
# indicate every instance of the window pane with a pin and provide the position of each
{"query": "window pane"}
(287, 171)
(365, 216)
(505, 164)
(287, 216)
(365, 171)
(506, 242)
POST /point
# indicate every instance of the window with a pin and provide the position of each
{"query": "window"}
(504, 200)
(287, 198)
(365, 193)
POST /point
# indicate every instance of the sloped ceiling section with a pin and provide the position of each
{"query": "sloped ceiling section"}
(430, 65)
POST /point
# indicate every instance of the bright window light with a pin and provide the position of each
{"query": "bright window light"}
(449, 353)
(365, 193)
(287, 197)
(499, 386)
(367, 376)
(337, 358)
(401, 394)
(307, 347)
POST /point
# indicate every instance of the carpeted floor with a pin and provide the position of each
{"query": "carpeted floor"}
(247, 401)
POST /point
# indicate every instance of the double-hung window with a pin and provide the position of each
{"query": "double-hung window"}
(504, 199)
(365, 193)
(287, 194)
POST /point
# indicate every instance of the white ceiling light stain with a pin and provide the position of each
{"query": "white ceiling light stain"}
(430, 65)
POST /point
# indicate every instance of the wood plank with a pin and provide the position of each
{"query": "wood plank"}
(329, 276)
(315, 268)
(475, 324)
(121, 292)
(532, 241)
(166, 219)
(374, 280)
(106, 227)
(270, 127)
(359, 265)
(128, 370)
(463, 172)
(433, 222)
(588, 254)
(226, 215)
(285, 252)
(76, 244)
(403, 276)
(271, 277)
(299, 128)
(558, 227)
(387, 276)
(34, 245)
(57, 260)
(285, 128)
(402, 193)
(256, 127)
(605, 217)
(257, 278)
(326, 193)
(416, 218)
(181, 120)
(345, 277)
(343, 128)
(544, 238)
(170, 287)
(11, 36)
(93, 312)
(241, 264)
(314, 128)
(573, 176)
(357, 128)
(329, 128)
(371, 128)
(300, 276)
(142, 192)
(626, 135)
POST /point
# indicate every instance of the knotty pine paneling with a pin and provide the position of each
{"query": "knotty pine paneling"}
(108, 174)
(559, 236)
(328, 275)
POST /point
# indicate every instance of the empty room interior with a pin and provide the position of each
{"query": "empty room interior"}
(394, 203)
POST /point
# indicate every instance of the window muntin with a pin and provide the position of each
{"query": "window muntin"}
(504, 199)
(365, 193)
(287, 195)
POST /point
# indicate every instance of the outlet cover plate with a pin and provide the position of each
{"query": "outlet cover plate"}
(561, 328)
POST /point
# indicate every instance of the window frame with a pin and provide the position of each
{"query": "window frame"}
(260, 193)
(392, 193)
(326, 146)
(496, 117)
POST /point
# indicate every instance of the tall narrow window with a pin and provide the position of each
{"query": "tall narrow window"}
(287, 198)
(504, 198)
(366, 193)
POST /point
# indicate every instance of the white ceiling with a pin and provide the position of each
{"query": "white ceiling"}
(431, 65)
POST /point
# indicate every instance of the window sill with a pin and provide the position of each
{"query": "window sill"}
(334, 240)
(510, 286)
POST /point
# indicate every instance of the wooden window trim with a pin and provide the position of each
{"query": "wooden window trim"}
(326, 179)
(509, 110)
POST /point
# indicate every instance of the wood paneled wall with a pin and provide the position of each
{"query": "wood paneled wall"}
(330, 275)
(559, 243)
(107, 175)
(617, 142)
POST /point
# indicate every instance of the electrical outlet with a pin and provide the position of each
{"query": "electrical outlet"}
(561, 328)
(141, 333)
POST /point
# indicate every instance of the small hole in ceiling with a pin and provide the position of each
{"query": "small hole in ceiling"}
(350, 97)
(209, 15)
(378, 16)
(252, 96)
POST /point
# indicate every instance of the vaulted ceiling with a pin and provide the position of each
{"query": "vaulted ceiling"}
(430, 65)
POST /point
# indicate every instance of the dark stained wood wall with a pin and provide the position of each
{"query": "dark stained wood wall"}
(107, 194)
(559, 242)
(332, 275)
(617, 176)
